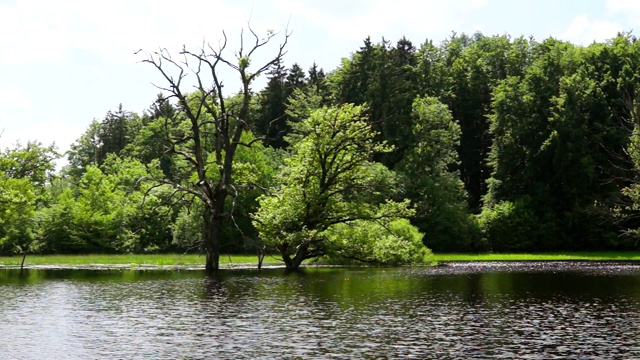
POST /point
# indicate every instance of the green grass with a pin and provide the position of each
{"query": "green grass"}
(131, 259)
(587, 256)
(198, 260)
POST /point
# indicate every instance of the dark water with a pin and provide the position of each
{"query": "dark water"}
(543, 311)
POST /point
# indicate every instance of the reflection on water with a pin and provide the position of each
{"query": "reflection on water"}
(540, 312)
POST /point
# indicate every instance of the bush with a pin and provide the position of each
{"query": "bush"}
(395, 242)
(510, 226)
(453, 231)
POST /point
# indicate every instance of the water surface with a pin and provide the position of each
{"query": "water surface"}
(465, 311)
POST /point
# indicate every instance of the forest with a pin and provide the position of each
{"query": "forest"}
(476, 144)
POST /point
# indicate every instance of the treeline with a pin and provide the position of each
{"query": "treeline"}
(498, 143)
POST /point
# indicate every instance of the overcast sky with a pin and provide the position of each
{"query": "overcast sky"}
(64, 62)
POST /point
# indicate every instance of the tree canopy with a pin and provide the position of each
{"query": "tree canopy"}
(476, 143)
(330, 187)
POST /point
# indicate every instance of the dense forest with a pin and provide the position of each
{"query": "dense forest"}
(479, 143)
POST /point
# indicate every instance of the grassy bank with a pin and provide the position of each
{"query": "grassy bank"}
(198, 260)
(132, 259)
(564, 256)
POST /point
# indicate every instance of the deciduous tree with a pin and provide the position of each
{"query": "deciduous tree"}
(25, 172)
(333, 200)
(207, 129)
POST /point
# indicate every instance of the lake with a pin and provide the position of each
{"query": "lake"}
(560, 310)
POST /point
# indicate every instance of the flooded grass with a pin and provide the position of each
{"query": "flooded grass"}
(556, 256)
(131, 260)
(197, 260)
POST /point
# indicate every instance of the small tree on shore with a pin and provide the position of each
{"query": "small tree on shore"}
(25, 172)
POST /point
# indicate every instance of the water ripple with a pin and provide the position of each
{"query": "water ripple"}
(463, 313)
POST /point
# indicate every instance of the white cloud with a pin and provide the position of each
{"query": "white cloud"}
(585, 31)
(15, 109)
(626, 11)
(52, 131)
(52, 49)
(384, 18)
(628, 7)
(12, 96)
(28, 35)
(47, 31)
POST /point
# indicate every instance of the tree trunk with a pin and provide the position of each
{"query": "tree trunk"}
(25, 251)
(288, 262)
(212, 233)
(213, 220)
(24, 256)
(261, 255)
(294, 264)
(213, 260)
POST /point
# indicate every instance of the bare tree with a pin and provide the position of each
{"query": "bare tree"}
(216, 124)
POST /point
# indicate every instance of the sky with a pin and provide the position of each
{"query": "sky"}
(64, 63)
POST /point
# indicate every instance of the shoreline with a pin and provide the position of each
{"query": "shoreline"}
(445, 266)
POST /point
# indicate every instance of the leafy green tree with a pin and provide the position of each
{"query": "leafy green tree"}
(25, 172)
(17, 215)
(109, 136)
(107, 210)
(463, 73)
(558, 143)
(522, 152)
(513, 226)
(329, 188)
(351, 80)
(398, 87)
(84, 151)
(317, 79)
(428, 178)
(383, 78)
(147, 211)
(87, 218)
(628, 208)
(272, 120)
(520, 124)
(625, 211)
(161, 108)
(255, 169)
(115, 132)
(31, 161)
(149, 146)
